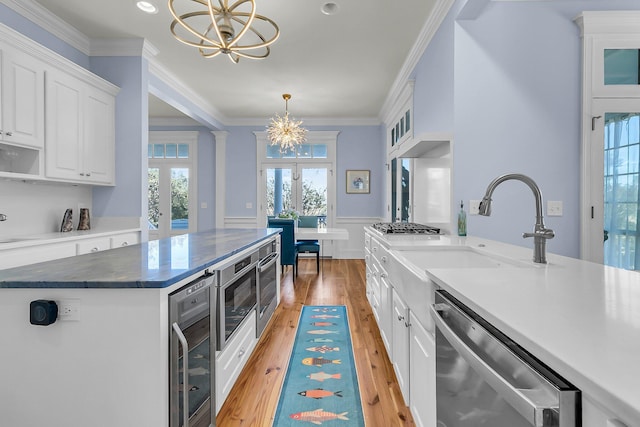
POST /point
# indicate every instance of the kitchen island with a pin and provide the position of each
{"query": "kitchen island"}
(580, 318)
(107, 364)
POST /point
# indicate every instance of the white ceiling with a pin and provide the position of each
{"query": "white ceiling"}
(339, 66)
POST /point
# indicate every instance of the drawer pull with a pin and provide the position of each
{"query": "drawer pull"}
(400, 318)
(125, 244)
(384, 259)
(241, 352)
(95, 249)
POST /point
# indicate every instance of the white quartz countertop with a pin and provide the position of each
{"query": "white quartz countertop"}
(580, 318)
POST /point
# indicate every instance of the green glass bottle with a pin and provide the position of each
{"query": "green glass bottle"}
(462, 221)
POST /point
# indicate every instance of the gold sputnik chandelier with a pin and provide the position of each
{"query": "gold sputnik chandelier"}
(285, 131)
(217, 26)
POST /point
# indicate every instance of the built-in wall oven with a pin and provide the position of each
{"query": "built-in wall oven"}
(237, 296)
(267, 285)
(192, 354)
(485, 379)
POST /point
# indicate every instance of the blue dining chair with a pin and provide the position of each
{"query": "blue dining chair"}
(309, 246)
(288, 247)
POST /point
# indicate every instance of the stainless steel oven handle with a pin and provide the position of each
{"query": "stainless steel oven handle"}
(267, 262)
(514, 396)
(185, 374)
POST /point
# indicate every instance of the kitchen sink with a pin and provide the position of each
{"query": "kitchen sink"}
(456, 257)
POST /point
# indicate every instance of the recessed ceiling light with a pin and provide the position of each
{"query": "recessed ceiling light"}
(329, 8)
(147, 7)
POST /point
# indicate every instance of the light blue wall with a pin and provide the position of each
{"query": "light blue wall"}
(126, 199)
(516, 108)
(359, 147)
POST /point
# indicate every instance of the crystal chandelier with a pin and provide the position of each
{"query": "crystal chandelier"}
(284, 131)
(216, 29)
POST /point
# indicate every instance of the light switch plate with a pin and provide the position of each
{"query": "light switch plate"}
(554, 208)
(474, 207)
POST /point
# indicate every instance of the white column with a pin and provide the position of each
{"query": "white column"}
(221, 174)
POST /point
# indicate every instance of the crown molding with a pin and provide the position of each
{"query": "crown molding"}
(173, 122)
(429, 29)
(315, 121)
(609, 22)
(123, 47)
(179, 86)
(42, 17)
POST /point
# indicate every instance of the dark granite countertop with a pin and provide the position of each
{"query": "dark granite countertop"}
(155, 264)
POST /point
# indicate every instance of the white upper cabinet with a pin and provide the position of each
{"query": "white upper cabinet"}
(22, 99)
(80, 130)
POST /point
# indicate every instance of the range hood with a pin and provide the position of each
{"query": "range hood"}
(426, 145)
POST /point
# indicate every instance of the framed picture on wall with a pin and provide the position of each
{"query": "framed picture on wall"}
(358, 182)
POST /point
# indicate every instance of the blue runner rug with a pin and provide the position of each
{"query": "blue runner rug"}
(321, 385)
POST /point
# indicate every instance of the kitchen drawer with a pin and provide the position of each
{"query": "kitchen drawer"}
(367, 241)
(29, 255)
(126, 239)
(93, 245)
(231, 360)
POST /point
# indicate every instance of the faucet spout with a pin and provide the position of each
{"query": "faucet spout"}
(540, 232)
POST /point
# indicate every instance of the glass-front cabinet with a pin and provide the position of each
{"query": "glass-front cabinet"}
(400, 181)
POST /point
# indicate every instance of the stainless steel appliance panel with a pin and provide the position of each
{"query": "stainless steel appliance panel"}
(267, 285)
(237, 296)
(485, 379)
(192, 378)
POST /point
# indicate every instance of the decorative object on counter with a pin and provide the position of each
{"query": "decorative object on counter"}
(284, 131)
(84, 223)
(321, 382)
(358, 182)
(540, 232)
(67, 221)
(462, 220)
(215, 30)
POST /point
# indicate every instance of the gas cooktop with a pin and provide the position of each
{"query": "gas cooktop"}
(404, 228)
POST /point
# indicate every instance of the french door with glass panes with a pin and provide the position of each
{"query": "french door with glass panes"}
(614, 175)
(305, 188)
(171, 185)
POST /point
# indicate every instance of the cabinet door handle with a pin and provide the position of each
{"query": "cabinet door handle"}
(81, 173)
(241, 353)
(9, 133)
(384, 258)
(88, 174)
(95, 249)
(125, 244)
(383, 275)
(400, 318)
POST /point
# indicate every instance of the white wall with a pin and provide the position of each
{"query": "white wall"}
(36, 208)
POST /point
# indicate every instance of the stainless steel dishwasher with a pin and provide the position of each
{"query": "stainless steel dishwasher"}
(483, 378)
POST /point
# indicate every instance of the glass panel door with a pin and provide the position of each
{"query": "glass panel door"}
(279, 190)
(615, 174)
(314, 191)
(170, 200)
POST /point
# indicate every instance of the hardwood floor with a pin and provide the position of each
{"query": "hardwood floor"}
(253, 400)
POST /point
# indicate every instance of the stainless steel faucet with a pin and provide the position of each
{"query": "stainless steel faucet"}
(3, 217)
(540, 232)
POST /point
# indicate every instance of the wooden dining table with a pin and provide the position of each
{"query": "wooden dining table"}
(321, 234)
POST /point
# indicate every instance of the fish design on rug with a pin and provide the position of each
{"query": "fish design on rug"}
(321, 340)
(325, 316)
(324, 309)
(323, 324)
(322, 332)
(319, 361)
(323, 349)
(321, 376)
(320, 393)
(318, 416)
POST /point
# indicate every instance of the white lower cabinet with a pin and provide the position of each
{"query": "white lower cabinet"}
(594, 416)
(422, 366)
(32, 254)
(97, 244)
(122, 240)
(384, 312)
(231, 360)
(400, 340)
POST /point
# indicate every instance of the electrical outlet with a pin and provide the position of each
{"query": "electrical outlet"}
(554, 208)
(69, 310)
(474, 207)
